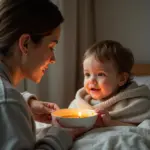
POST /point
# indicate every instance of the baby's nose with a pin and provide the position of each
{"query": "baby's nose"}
(93, 80)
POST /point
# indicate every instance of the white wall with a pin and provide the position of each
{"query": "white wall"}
(127, 21)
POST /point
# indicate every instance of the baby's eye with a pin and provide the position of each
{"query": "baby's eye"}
(86, 74)
(101, 74)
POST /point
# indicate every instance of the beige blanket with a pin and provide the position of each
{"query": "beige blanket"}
(130, 105)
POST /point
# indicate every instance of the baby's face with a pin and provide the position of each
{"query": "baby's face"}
(101, 79)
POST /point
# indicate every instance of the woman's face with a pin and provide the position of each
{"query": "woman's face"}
(39, 56)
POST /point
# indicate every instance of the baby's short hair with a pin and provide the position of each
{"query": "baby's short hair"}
(113, 51)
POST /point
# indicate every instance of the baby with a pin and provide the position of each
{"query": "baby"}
(108, 86)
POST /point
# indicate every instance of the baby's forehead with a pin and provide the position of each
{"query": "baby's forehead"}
(104, 64)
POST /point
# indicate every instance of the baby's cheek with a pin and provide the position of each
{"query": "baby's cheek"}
(86, 88)
(86, 82)
(101, 79)
(107, 89)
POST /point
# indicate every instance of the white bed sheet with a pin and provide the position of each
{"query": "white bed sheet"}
(142, 80)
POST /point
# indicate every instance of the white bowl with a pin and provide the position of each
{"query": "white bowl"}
(70, 117)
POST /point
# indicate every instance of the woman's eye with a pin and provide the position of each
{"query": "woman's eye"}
(101, 74)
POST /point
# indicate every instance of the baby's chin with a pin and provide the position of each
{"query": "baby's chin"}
(98, 98)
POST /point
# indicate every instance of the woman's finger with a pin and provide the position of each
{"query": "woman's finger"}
(47, 110)
(52, 106)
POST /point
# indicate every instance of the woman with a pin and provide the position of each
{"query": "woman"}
(29, 31)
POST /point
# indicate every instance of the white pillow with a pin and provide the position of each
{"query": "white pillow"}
(142, 80)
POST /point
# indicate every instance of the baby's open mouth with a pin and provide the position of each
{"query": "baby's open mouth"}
(94, 89)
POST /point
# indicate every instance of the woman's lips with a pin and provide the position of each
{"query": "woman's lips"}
(43, 70)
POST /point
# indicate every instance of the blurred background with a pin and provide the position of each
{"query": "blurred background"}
(88, 21)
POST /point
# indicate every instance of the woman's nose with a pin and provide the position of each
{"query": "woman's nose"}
(52, 58)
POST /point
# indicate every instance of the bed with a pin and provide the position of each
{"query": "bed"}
(121, 137)
(141, 74)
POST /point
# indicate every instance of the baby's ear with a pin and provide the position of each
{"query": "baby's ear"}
(124, 76)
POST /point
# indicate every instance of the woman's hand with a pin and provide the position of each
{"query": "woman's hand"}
(42, 110)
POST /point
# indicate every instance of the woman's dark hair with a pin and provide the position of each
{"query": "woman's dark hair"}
(113, 51)
(35, 17)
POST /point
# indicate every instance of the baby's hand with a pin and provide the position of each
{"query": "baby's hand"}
(104, 118)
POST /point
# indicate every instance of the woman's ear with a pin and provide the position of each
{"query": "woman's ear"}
(124, 76)
(23, 43)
